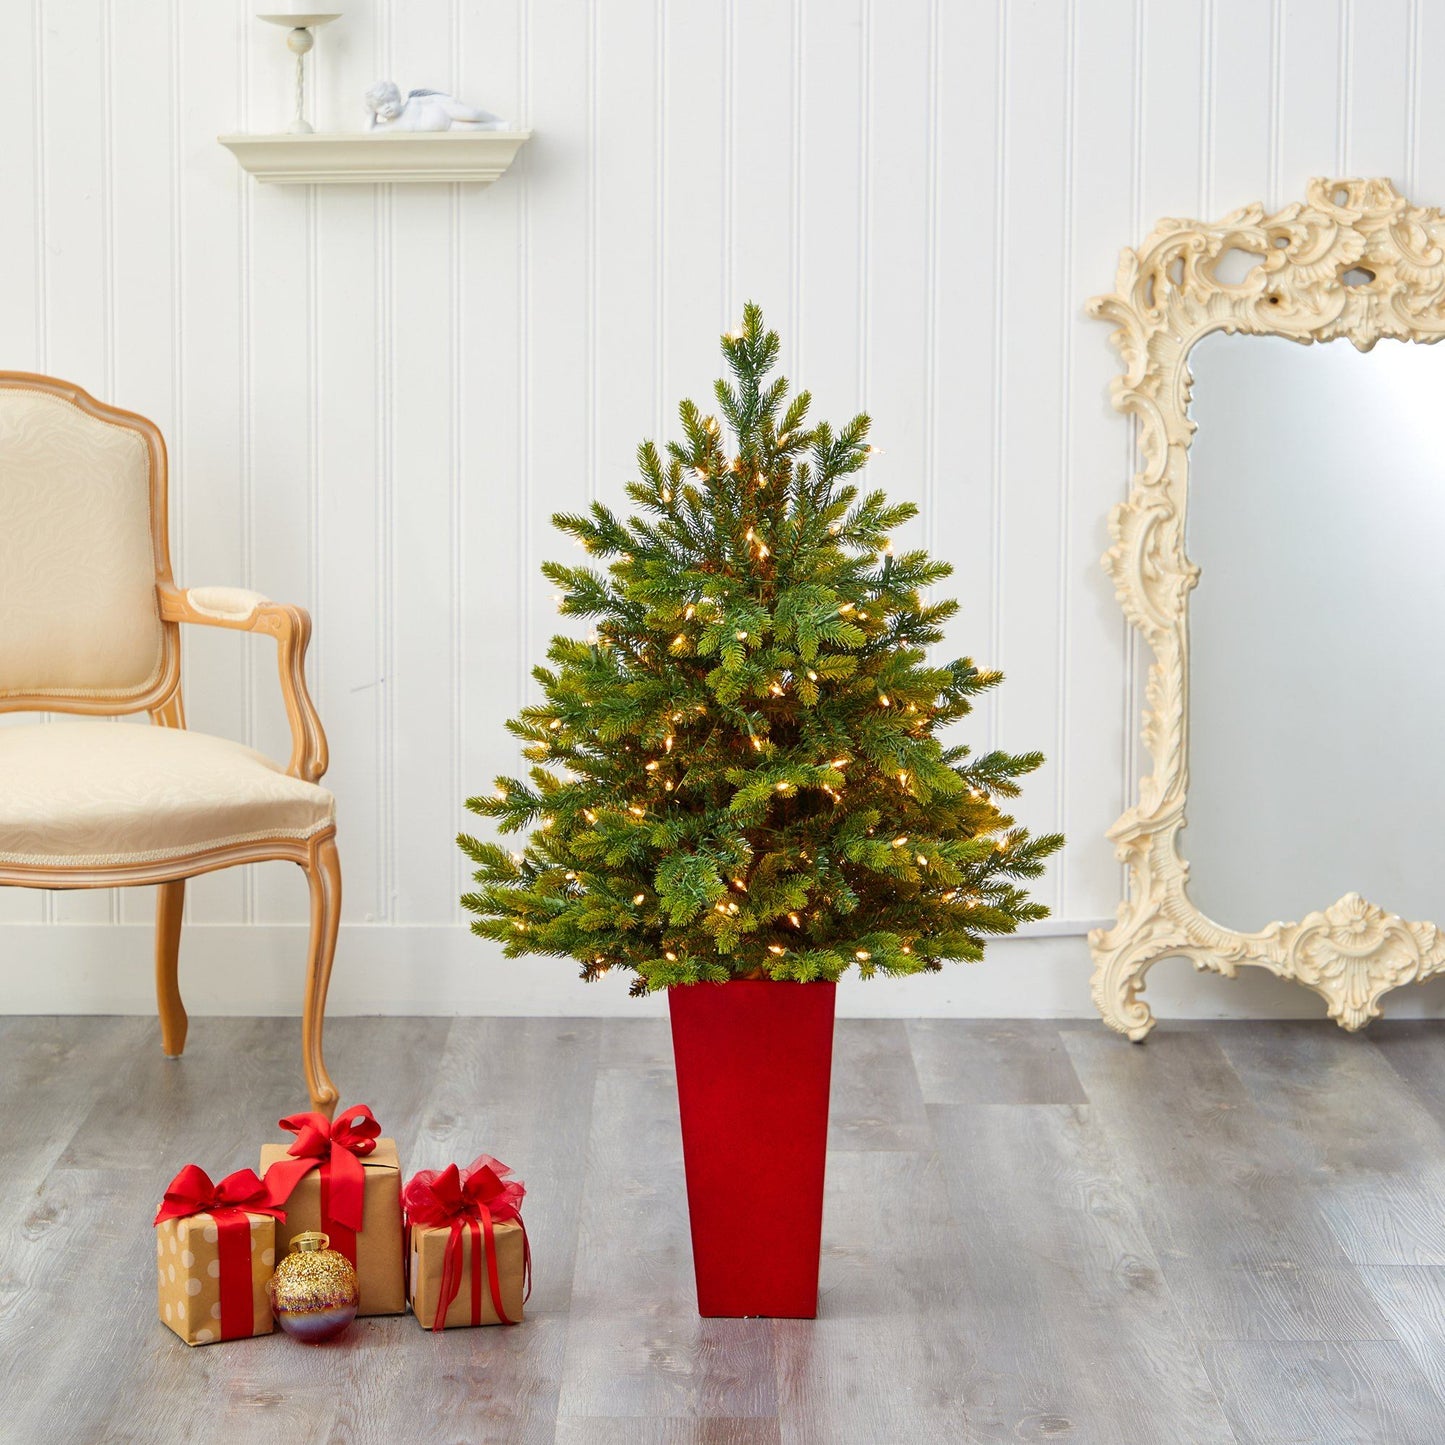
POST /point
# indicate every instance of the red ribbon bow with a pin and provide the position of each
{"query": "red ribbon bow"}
(475, 1201)
(191, 1192)
(228, 1203)
(335, 1147)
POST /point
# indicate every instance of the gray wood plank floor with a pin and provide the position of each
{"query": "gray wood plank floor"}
(1034, 1231)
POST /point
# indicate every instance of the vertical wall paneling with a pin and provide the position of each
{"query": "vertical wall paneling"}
(75, 185)
(899, 154)
(1311, 106)
(76, 182)
(1345, 87)
(999, 339)
(795, 220)
(490, 495)
(346, 60)
(452, 908)
(22, 263)
(1065, 484)
(865, 188)
(1415, 19)
(383, 501)
(560, 464)
(895, 382)
(375, 398)
(931, 271)
(727, 231)
(279, 400)
(970, 142)
(1174, 109)
(1276, 84)
(1029, 528)
(1428, 115)
(215, 525)
(348, 427)
(422, 612)
(622, 404)
(832, 143)
(1377, 135)
(761, 201)
(928, 481)
(1094, 460)
(1242, 121)
(693, 182)
(1168, 135)
(523, 348)
(140, 239)
(1131, 724)
(22, 171)
(346, 670)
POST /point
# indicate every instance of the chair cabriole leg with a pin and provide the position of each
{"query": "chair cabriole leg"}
(323, 874)
(170, 902)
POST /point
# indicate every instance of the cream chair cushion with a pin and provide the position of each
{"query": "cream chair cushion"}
(107, 794)
(77, 565)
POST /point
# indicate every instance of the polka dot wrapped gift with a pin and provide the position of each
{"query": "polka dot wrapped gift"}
(215, 1252)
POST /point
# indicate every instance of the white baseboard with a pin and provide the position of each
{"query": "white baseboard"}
(229, 969)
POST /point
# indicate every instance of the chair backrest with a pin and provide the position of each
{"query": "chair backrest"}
(82, 546)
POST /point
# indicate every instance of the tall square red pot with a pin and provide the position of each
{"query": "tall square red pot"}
(754, 1061)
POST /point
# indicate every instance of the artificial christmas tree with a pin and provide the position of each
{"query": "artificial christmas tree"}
(740, 774)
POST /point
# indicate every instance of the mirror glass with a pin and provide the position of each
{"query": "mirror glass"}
(1316, 514)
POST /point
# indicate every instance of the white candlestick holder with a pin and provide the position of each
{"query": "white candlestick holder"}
(299, 42)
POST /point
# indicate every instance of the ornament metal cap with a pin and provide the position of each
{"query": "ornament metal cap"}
(311, 1239)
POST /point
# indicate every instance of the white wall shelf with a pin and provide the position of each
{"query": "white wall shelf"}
(374, 158)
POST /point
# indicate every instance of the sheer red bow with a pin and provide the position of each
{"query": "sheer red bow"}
(475, 1200)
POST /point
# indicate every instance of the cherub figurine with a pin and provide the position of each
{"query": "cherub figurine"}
(425, 110)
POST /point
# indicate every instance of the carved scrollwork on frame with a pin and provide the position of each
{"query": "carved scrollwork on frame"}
(1355, 260)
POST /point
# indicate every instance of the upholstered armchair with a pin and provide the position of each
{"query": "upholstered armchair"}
(90, 624)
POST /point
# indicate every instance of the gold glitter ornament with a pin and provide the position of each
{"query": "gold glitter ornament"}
(314, 1292)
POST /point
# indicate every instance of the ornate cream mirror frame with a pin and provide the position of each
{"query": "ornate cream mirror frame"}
(1355, 260)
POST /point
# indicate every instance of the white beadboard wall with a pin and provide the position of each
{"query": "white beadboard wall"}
(376, 397)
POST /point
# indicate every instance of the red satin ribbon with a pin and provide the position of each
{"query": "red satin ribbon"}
(335, 1147)
(475, 1201)
(228, 1203)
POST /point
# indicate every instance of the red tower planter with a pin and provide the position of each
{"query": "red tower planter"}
(754, 1061)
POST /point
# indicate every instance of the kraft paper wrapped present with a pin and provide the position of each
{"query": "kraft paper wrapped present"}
(215, 1251)
(341, 1179)
(470, 1260)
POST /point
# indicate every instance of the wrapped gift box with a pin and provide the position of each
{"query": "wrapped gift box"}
(215, 1252)
(470, 1261)
(377, 1245)
(428, 1262)
(189, 1265)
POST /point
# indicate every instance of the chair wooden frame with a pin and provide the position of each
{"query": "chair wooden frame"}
(160, 697)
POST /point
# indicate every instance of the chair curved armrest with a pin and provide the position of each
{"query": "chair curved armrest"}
(244, 611)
